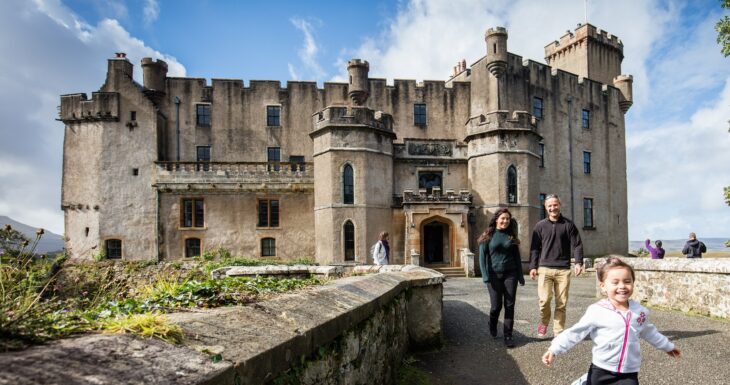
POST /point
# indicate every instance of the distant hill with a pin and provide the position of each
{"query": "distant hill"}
(50, 242)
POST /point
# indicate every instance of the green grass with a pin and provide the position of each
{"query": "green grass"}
(411, 375)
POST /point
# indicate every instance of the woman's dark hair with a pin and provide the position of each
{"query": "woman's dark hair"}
(613, 262)
(658, 243)
(511, 229)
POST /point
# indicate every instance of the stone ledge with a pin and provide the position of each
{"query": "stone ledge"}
(680, 265)
(111, 359)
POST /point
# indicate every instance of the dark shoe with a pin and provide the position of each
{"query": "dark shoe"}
(493, 327)
(509, 342)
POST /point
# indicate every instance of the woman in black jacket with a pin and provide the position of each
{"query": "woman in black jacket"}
(501, 265)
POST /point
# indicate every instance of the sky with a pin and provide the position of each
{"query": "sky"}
(678, 144)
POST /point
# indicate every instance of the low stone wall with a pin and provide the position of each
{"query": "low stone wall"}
(700, 286)
(354, 331)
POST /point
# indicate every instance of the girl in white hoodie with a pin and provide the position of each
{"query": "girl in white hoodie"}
(615, 325)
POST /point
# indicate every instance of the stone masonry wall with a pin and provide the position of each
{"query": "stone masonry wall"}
(352, 331)
(690, 285)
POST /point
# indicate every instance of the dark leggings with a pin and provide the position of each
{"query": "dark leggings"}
(503, 288)
(598, 376)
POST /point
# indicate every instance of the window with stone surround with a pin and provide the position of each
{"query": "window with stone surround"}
(419, 114)
(268, 213)
(349, 236)
(192, 247)
(202, 115)
(537, 107)
(192, 213)
(586, 162)
(588, 213)
(511, 184)
(541, 149)
(348, 185)
(429, 179)
(586, 119)
(273, 116)
(543, 211)
(268, 247)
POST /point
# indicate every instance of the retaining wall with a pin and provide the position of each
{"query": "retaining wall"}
(355, 330)
(700, 286)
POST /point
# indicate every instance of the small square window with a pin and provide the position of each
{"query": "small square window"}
(192, 247)
(202, 115)
(268, 247)
(273, 116)
(113, 248)
(419, 114)
(586, 119)
(135, 171)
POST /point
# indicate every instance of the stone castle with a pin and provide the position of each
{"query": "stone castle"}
(175, 167)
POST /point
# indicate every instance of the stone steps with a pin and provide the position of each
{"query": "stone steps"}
(452, 272)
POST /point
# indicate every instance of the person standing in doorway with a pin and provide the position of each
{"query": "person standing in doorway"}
(501, 265)
(554, 240)
(694, 248)
(381, 249)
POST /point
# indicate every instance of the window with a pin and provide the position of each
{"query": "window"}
(273, 116)
(349, 233)
(193, 212)
(202, 115)
(429, 180)
(268, 247)
(348, 185)
(419, 114)
(537, 107)
(586, 162)
(541, 149)
(511, 184)
(203, 158)
(296, 162)
(543, 212)
(132, 115)
(268, 213)
(113, 248)
(192, 247)
(273, 156)
(586, 119)
(135, 171)
(588, 213)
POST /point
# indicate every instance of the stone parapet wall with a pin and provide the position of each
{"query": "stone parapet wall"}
(355, 330)
(699, 286)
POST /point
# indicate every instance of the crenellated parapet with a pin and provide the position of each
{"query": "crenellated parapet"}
(582, 33)
(342, 116)
(103, 106)
(496, 121)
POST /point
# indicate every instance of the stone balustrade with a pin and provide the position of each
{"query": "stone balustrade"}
(436, 196)
(233, 174)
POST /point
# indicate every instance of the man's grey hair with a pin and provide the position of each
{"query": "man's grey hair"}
(552, 196)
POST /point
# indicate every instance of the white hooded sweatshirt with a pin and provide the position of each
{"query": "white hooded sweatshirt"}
(615, 336)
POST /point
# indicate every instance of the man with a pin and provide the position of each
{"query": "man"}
(693, 248)
(554, 240)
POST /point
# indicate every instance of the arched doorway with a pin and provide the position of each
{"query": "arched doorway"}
(436, 243)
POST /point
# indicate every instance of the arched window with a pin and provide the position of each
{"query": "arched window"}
(348, 185)
(511, 184)
(349, 234)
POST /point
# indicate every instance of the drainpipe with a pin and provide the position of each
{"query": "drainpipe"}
(570, 155)
(177, 126)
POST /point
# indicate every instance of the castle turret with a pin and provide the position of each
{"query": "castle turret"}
(119, 70)
(625, 84)
(359, 88)
(154, 74)
(496, 39)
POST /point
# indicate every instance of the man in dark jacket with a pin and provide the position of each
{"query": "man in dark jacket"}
(554, 240)
(693, 248)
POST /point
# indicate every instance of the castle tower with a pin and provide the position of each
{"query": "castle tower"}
(154, 74)
(353, 175)
(625, 84)
(496, 39)
(589, 52)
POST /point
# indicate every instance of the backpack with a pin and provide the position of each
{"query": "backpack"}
(703, 248)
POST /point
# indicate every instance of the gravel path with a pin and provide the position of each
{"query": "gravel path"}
(471, 356)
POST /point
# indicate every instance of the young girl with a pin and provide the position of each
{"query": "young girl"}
(615, 326)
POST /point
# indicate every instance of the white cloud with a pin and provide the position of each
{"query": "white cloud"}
(308, 53)
(48, 51)
(151, 11)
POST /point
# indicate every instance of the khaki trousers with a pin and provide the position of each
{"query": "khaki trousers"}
(553, 282)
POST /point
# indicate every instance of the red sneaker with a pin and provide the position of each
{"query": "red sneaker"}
(541, 331)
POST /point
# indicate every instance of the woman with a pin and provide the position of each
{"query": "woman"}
(499, 259)
(381, 249)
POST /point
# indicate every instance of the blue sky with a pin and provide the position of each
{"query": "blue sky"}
(678, 145)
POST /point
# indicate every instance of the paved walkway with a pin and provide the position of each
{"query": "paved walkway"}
(471, 356)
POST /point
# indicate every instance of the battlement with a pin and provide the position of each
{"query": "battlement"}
(352, 116)
(103, 106)
(583, 32)
(500, 120)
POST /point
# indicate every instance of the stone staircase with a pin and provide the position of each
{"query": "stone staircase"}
(448, 271)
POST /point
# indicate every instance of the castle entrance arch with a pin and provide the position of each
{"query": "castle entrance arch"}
(435, 236)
